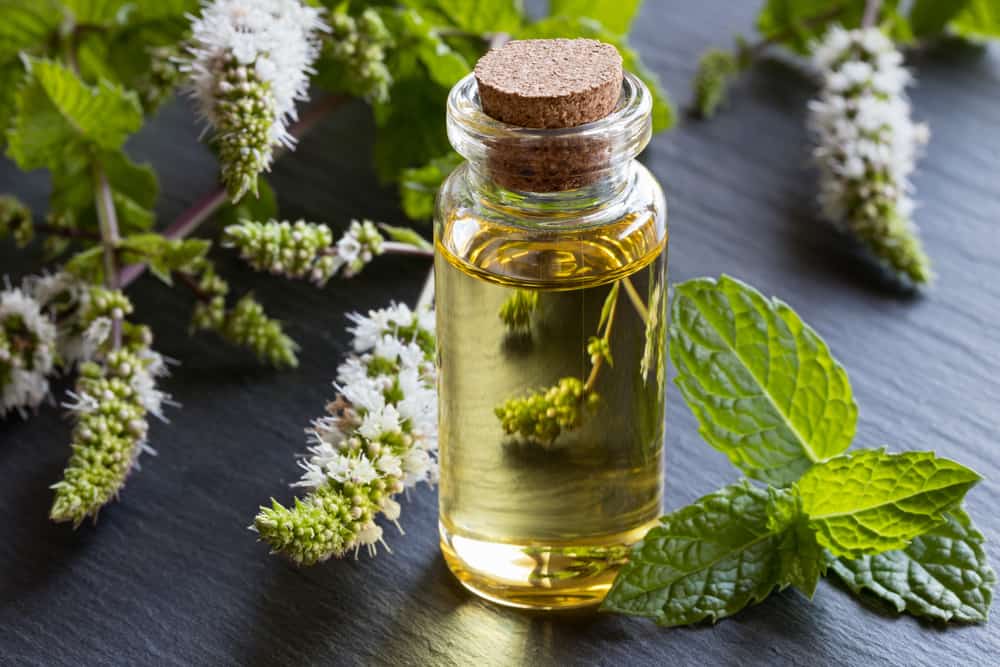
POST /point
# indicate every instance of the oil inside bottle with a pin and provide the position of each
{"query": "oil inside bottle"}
(551, 390)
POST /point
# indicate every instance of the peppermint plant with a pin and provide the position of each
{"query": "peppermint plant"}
(78, 79)
(768, 393)
(866, 142)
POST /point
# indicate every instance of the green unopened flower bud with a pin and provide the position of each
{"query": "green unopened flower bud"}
(544, 414)
(16, 220)
(516, 310)
(247, 324)
(716, 69)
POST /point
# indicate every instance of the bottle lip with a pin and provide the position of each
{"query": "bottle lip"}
(626, 130)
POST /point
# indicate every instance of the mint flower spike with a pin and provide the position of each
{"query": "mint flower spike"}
(378, 438)
(28, 351)
(868, 146)
(305, 249)
(249, 64)
(359, 46)
(716, 68)
(115, 393)
(16, 220)
(247, 324)
(516, 311)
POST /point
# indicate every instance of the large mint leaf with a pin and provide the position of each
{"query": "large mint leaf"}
(871, 501)
(705, 561)
(980, 20)
(943, 574)
(57, 115)
(763, 385)
(25, 24)
(569, 26)
(410, 127)
(615, 15)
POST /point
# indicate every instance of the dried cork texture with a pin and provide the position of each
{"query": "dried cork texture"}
(550, 83)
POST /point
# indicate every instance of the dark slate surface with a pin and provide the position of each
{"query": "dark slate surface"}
(171, 575)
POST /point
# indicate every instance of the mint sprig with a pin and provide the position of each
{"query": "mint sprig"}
(768, 393)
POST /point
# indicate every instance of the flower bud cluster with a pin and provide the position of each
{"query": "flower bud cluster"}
(516, 310)
(543, 415)
(358, 45)
(16, 220)
(305, 249)
(111, 402)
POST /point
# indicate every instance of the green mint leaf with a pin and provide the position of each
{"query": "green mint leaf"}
(929, 17)
(418, 186)
(763, 385)
(11, 76)
(568, 26)
(798, 24)
(484, 16)
(944, 574)
(57, 115)
(26, 25)
(410, 131)
(802, 560)
(979, 21)
(164, 255)
(406, 235)
(134, 189)
(708, 560)
(444, 65)
(615, 15)
(87, 265)
(871, 501)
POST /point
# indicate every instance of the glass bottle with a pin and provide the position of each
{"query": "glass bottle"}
(550, 273)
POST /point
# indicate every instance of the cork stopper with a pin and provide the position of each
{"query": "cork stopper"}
(550, 83)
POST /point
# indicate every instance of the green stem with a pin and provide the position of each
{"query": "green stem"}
(599, 362)
(108, 221)
(872, 8)
(636, 300)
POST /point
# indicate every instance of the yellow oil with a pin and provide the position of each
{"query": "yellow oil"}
(543, 521)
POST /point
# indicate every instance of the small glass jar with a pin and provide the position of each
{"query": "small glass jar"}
(550, 273)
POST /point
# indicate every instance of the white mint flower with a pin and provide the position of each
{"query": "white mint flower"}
(250, 63)
(867, 146)
(27, 351)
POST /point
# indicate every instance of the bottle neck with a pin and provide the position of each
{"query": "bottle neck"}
(605, 188)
